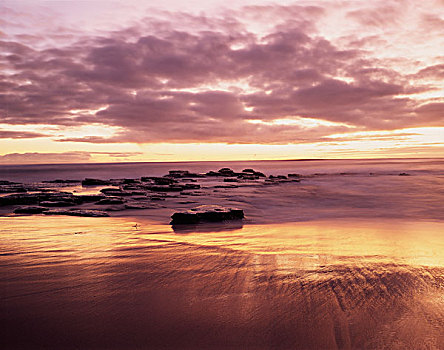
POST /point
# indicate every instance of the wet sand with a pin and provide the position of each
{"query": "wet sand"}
(103, 283)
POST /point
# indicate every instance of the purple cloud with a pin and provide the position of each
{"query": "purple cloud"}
(157, 83)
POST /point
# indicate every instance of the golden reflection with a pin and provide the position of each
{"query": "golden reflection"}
(298, 245)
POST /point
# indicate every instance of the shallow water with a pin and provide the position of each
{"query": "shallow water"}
(335, 284)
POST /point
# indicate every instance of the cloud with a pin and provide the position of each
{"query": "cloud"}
(202, 78)
(9, 134)
(48, 158)
(62, 157)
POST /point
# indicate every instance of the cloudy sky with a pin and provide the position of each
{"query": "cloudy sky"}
(131, 80)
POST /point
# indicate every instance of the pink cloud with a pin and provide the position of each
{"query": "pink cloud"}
(159, 83)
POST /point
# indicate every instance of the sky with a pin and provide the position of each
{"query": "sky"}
(133, 80)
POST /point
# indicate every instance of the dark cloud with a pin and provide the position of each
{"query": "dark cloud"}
(158, 81)
(9, 134)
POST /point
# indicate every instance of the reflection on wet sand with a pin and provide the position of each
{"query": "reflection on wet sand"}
(106, 283)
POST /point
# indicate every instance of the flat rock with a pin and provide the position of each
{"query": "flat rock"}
(139, 205)
(77, 212)
(206, 213)
(56, 203)
(110, 201)
(30, 210)
(94, 182)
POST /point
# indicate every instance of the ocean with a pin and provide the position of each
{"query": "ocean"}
(350, 257)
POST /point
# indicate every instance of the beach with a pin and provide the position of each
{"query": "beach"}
(339, 260)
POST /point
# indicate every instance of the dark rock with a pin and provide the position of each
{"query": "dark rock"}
(206, 213)
(30, 210)
(139, 205)
(56, 203)
(159, 180)
(226, 172)
(60, 181)
(252, 172)
(249, 170)
(85, 198)
(6, 182)
(247, 176)
(110, 201)
(77, 212)
(154, 198)
(213, 173)
(190, 186)
(94, 182)
(115, 192)
(294, 175)
(19, 199)
(278, 177)
(404, 174)
(228, 179)
(130, 181)
(15, 188)
(182, 174)
(165, 188)
(226, 186)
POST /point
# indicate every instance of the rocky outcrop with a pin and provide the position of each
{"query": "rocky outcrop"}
(95, 182)
(206, 213)
(30, 210)
(76, 212)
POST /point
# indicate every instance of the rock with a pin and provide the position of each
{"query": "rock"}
(278, 177)
(85, 198)
(165, 188)
(19, 199)
(6, 182)
(159, 180)
(139, 205)
(60, 181)
(206, 213)
(228, 179)
(182, 174)
(77, 212)
(253, 172)
(110, 201)
(294, 175)
(130, 181)
(226, 172)
(213, 173)
(115, 192)
(57, 203)
(248, 170)
(94, 182)
(30, 210)
(226, 186)
(16, 188)
(404, 174)
(247, 176)
(190, 186)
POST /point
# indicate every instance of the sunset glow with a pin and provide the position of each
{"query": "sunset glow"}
(97, 81)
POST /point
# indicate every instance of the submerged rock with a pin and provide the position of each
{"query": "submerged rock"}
(110, 201)
(94, 182)
(206, 213)
(77, 212)
(57, 203)
(61, 181)
(30, 210)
